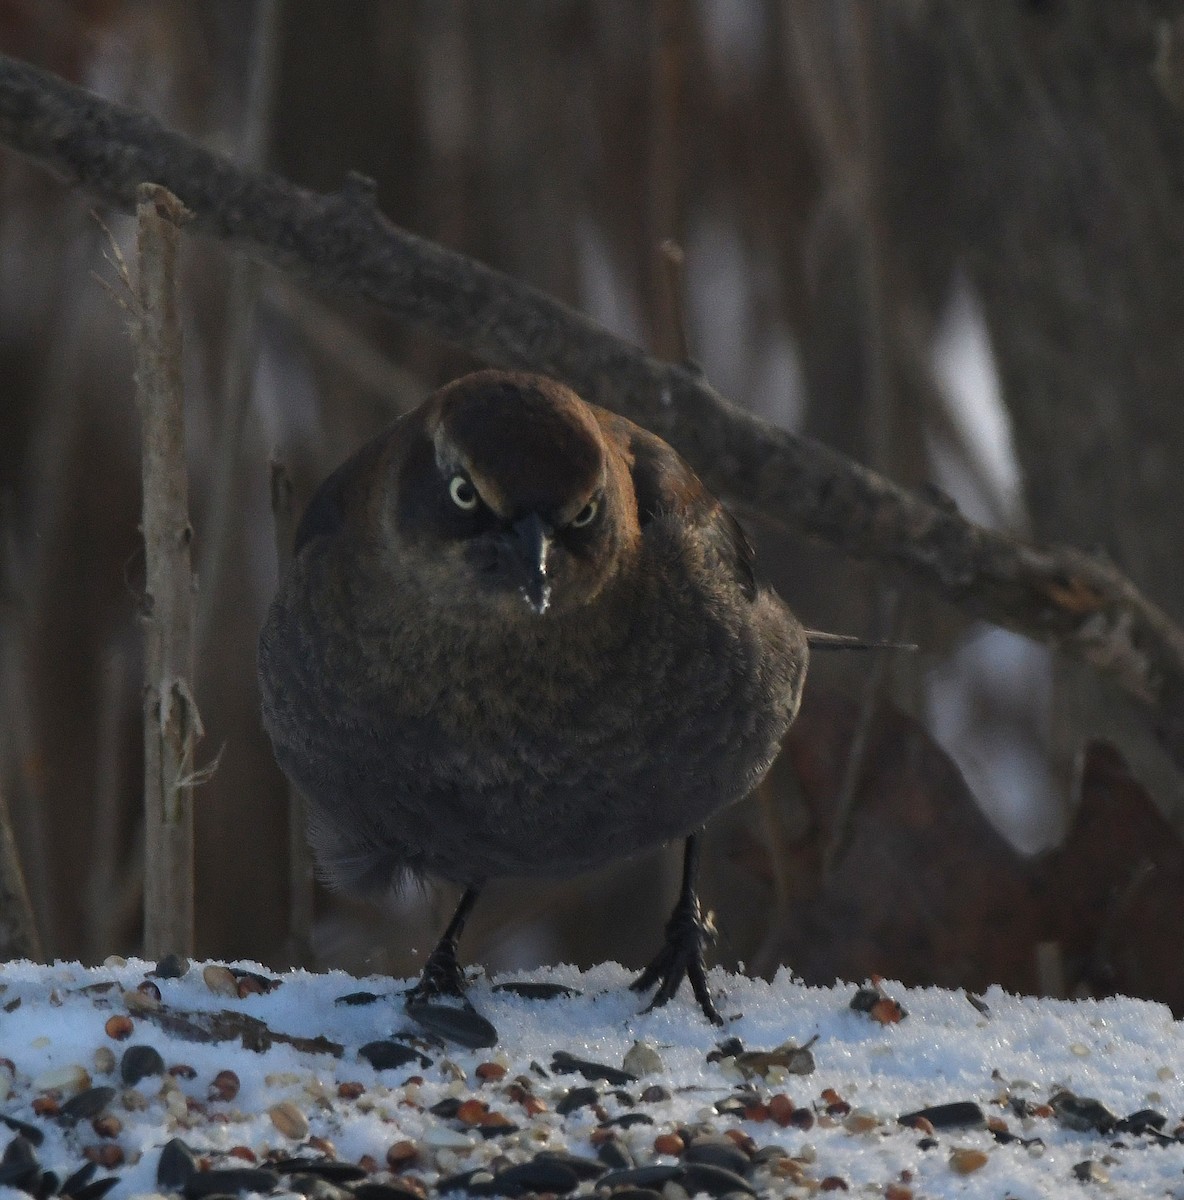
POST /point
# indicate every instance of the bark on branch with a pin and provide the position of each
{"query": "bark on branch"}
(342, 243)
(172, 726)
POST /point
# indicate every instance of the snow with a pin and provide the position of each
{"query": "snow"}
(1125, 1053)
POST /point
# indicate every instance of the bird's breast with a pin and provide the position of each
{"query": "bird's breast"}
(548, 747)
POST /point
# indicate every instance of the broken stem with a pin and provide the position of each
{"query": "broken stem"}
(172, 725)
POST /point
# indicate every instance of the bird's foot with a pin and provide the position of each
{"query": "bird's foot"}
(688, 932)
(441, 976)
(438, 1004)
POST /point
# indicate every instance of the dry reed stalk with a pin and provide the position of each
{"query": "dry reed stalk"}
(18, 931)
(301, 879)
(172, 726)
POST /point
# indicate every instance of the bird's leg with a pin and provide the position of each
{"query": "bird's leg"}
(687, 933)
(441, 975)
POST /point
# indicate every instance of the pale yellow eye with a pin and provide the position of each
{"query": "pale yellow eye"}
(463, 494)
(586, 515)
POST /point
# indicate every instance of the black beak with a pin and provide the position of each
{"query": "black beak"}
(533, 545)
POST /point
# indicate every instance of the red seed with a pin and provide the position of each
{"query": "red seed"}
(668, 1143)
(401, 1155)
(472, 1111)
(787, 1168)
(107, 1125)
(741, 1139)
(106, 1154)
(887, 1012)
(224, 1086)
(119, 1027)
(921, 1125)
(965, 1160)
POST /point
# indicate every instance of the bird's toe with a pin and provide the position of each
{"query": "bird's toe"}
(688, 933)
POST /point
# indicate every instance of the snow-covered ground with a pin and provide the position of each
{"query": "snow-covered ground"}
(1022, 1071)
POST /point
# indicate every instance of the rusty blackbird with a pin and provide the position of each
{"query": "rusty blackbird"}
(520, 638)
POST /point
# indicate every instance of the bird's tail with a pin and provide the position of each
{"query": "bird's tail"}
(817, 640)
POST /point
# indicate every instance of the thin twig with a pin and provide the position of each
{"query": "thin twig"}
(240, 341)
(19, 936)
(853, 132)
(1061, 596)
(339, 340)
(878, 286)
(126, 899)
(1050, 970)
(670, 29)
(301, 878)
(18, 932)
(104, 860)
(172, 726)
(873, 688)
(778, 800)
(1099, 965)
(49, 511)
(674, 273)
(670, 33)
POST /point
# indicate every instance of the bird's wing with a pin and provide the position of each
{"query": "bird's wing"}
(665, 484)
(326, 511)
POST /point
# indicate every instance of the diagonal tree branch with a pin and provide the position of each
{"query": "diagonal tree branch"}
(341, 243)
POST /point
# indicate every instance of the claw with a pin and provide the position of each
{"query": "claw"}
(443, 980)
(441, 976)
(688, 933)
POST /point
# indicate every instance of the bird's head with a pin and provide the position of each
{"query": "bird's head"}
(511, 494)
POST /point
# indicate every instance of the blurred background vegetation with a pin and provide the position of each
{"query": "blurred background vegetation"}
(943, 236)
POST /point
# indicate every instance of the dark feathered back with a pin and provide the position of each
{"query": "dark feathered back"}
(665, 484)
